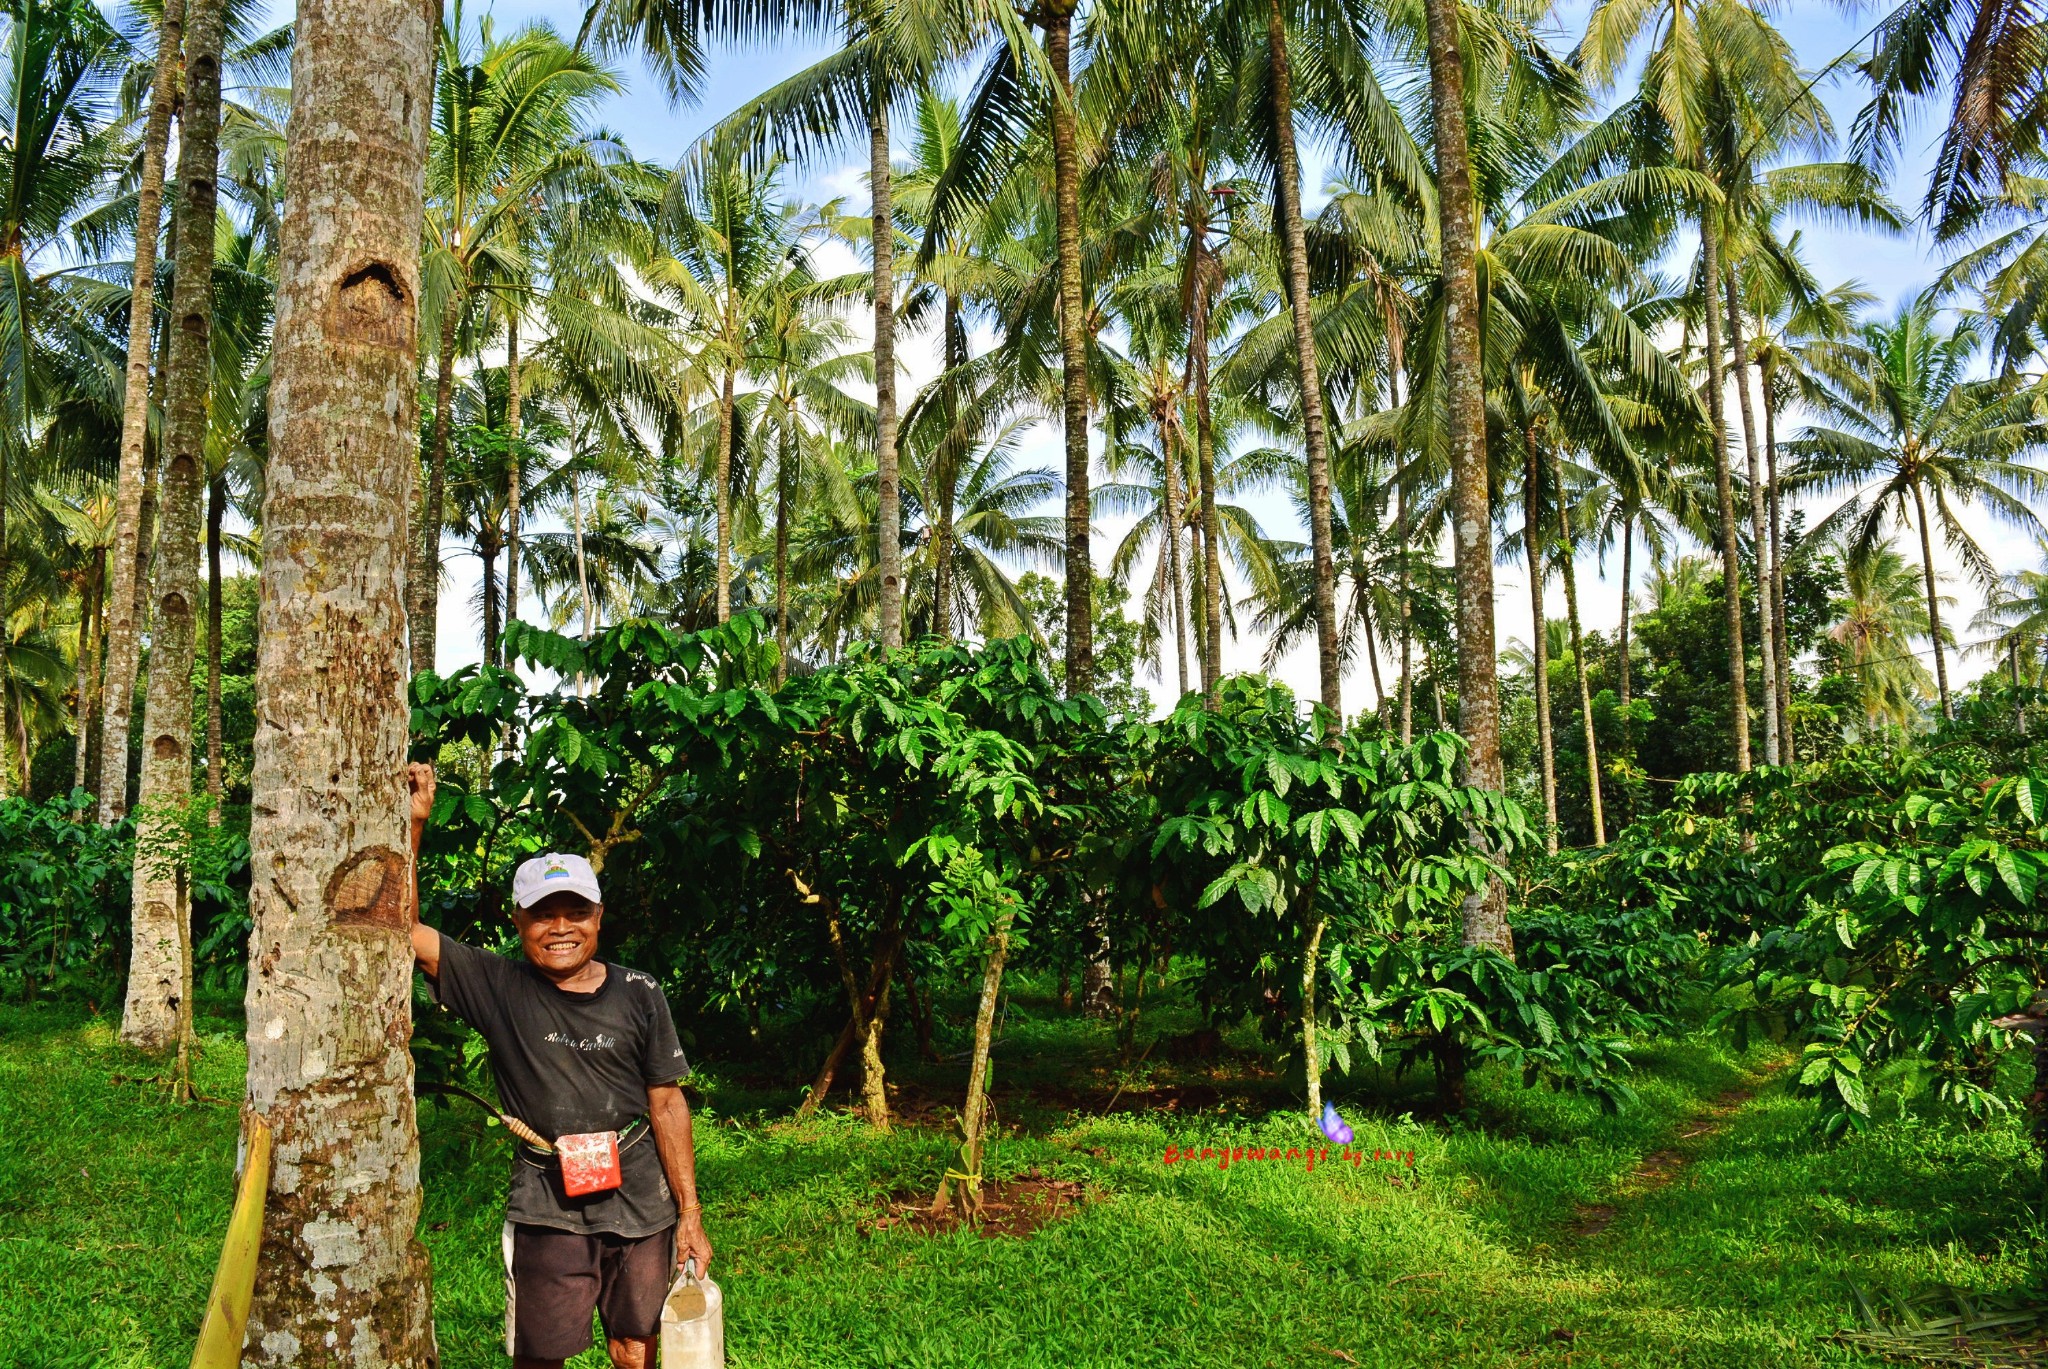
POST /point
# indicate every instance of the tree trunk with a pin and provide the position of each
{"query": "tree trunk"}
(1407, 573)
(1767, 636)
(782, 566)
(124, 628)
(513, 404)
(975, 1110)
(1485, 913)
(943, 477)
(1311, 1058)
(1724, 487)
(329, 1004)
(721, 493)
(582, 563)
(1314, 431)
(425, 604)
(158, 1011)
(91, 597)
(1566, 560)
(874, 1091)
(1532, 544)
(1933, 601)
(1058, 18)
(888, 472)
(216, 509)
(1169, 467)
(1628, 547)
(487, 545)
(1783, 634)
(1205, 471)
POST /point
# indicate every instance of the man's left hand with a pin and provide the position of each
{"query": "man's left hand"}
(692, 1243)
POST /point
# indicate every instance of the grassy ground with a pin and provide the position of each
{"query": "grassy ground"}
(1739, 1246)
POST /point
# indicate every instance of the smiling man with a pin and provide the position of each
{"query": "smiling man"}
(582, 1049)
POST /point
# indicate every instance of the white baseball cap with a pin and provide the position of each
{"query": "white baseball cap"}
(554, 873)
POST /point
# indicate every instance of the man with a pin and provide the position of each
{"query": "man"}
(577, 1046)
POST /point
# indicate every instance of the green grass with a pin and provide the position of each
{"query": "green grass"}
(113, 1199)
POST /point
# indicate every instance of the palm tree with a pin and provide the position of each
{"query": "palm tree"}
(2017, 611)
(1993, 56)
(158, 1011)
(1909, 428)
(726, 247)
(329, 1067)
(510, 151)
(1719, 88)
(987, 522)
(1882, 611)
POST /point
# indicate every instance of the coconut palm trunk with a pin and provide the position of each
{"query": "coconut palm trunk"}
(1485, 914)
(92, 600)
(1567, 560)
(1058, 18)
(425, 575)
(216, 510)
(329, 1003)
(782, 477)
(1724, 489)
(1170, 515)
(1211, 640)
(721, 491)
(1783, 636)
(124, 630)
(514, 396)
(1532, 544)
(1933, 599)
(1628, 548)
(1759, 529)
(1314, 429)
(158, 1012)
(888, 470)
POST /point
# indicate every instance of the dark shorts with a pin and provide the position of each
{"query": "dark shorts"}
(556, 1279)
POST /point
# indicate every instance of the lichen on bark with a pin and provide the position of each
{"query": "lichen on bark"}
(345, 1280)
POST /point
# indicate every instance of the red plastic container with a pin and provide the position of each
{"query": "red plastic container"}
(590, 1162)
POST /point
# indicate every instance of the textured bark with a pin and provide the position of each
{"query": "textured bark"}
(1628, 549)
(1058, 18)
(424, 602)
(1205, 472)
(124, 628)
(1170, 516)
(974, 1110)
(489, 542)
(721, 492)
(1759, 531)
(1731, 562)
(157, 1014)
(216, 510)
(946, 474)
(1933, 600)
(514, 395)
(1311, 1058)
(781, 568)
(1783, 636)
(888, 474)
(1566, 560)
(88, 682)
(1485, 914)
(1314, 430)
(330, 976)
(1407, 582)
(874, 1091)
(1532, 544)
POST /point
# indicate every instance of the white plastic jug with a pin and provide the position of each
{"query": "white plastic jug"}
(693, 1323)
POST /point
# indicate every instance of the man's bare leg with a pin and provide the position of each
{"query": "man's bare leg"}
(635, 1352)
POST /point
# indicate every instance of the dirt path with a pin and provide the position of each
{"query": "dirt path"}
(1660, 1168)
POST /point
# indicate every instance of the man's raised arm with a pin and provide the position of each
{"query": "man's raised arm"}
(426, 942)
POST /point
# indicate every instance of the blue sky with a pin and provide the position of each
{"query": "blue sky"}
(1892, 267)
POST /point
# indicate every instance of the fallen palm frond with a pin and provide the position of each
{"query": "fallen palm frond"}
(234, 1282)
(1950, 1326)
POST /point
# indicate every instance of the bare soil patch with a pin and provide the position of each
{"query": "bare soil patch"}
(1009, 1207)
(1660, 1168)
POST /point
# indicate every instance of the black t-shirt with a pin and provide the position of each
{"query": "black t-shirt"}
(568, 1063)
